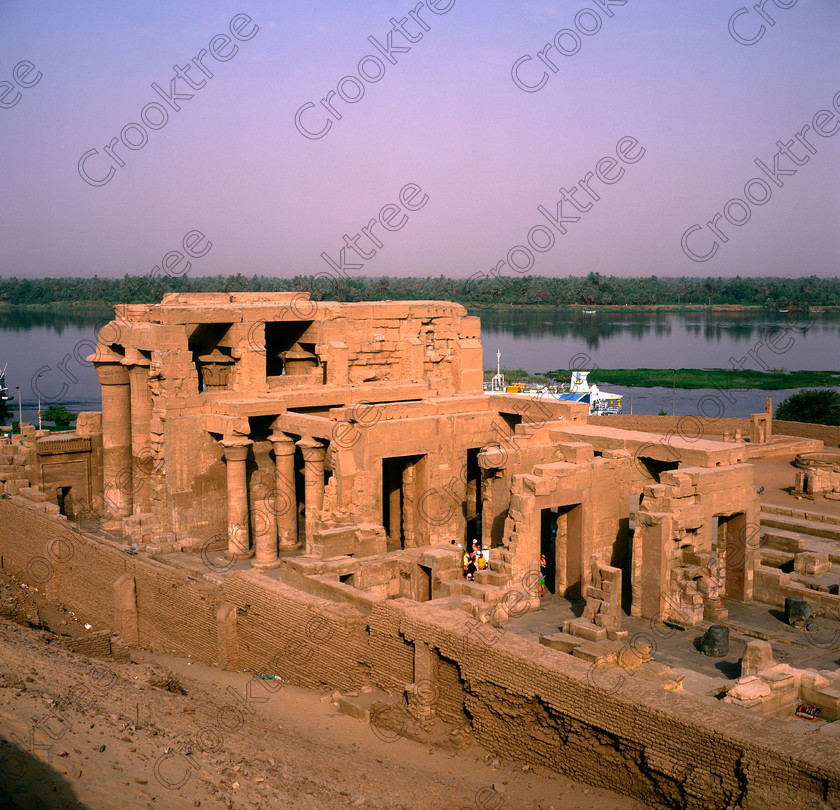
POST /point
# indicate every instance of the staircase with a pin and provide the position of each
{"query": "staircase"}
(787, 532)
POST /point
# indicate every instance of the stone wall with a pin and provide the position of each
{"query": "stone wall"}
(828, 434)
(712, 429)
(303, 638)
(175, 610)
(529, 702)
(524, 701)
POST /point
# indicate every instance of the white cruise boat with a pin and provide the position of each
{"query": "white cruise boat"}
(600, 402)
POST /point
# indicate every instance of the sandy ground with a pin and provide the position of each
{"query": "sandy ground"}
(80, 732)
(777, 475)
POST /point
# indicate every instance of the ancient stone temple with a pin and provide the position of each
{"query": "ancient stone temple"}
(287, 486)
(328, 436)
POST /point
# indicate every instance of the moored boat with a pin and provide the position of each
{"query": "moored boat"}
(5, 397)
(600, 402)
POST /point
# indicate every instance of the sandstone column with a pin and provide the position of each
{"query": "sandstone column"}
(117, 478)
(313, 456)
(285, 497)
(265, 526)
(236, 453)
(141, 420)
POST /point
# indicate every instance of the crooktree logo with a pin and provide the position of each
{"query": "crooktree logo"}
(23, 79)
(154, 115)
(700, 242)
(740, 30)
(370, 69)
(567, 42)
(579, 198)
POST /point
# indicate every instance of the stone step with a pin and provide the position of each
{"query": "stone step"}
(15, 485)
(490, 577)
(47, 508)
(775, 558)
(800, 514)
(33, 494)
(811, 528)
(782, 540)
(483, 593)
(789, 542)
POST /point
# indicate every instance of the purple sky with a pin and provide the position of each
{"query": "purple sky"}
(448, 118)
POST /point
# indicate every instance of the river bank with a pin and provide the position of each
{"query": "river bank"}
(687, 378)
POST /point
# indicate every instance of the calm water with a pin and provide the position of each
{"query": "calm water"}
(56, 345)
(552, 340)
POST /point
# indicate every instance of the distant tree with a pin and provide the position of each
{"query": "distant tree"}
(59, 414)
(820, 406)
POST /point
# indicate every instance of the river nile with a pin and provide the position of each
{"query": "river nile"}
(55, 345)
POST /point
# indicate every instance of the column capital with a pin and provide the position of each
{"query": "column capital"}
(283, 444)
(236, 449)
(312, 449)
(111, 372)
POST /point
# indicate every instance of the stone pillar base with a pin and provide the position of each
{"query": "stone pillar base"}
(238, 555)
(266, 566)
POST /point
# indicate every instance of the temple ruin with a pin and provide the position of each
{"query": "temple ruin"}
(286, 449)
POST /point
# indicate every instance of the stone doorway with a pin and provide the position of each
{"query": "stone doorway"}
(561, 540)
(731, 541)
(400, 475)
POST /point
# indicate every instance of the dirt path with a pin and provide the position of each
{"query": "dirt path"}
(80, 732)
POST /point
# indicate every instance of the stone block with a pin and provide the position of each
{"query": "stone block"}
(810, 563)
(797, 612)
(561, 641)
(757, 657)
(584, 629)
(632, 656)
(715, 641)
(594, 653)
(33, 494)
(749, 689)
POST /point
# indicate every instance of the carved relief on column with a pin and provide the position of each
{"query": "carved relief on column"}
(285, 497)
(236, 454)
(141, 420)
(313, 456)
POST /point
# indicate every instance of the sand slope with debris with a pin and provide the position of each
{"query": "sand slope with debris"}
(155, 730)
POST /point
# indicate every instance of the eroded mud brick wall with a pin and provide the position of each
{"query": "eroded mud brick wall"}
(302, 638)
(524, 701)
(529, 702)
(175, 610)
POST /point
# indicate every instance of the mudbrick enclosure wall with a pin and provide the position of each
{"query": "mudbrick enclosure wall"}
(324, 491)
(523, 700)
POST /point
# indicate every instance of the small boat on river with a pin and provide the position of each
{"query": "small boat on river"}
(5, 397)
(600, 402)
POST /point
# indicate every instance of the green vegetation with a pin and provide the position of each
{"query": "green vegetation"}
(58, 414)
(818, 407)
(712, 378)
(587, 291)
(720, 378)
